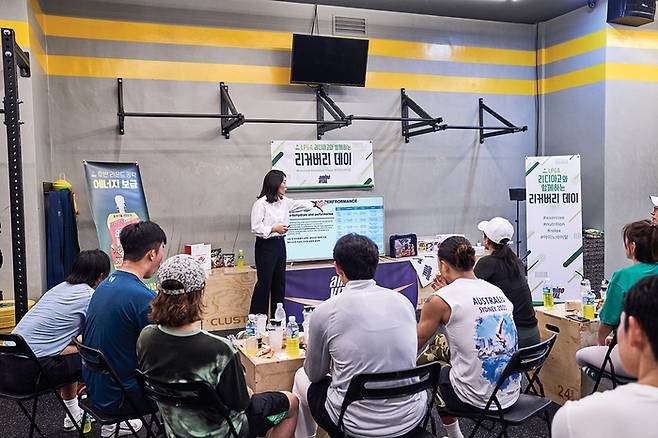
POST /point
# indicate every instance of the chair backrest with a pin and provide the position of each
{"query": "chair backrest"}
(524, 360)
(14, 345)
(422, 378)
(193, 395)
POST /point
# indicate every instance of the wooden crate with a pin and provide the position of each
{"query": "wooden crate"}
(228, 297)
(276, 374)
(561, 375)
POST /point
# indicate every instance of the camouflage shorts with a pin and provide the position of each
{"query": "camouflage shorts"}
(437, 351)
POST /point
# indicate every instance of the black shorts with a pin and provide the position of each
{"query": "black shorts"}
(266, 410)
(19, 375)
(449, 396)
(317, 397)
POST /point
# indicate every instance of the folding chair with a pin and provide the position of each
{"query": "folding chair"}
(193, 396)
(425, 377)
(524, 360)
(13, 345)
(603, 370)
(96, 362)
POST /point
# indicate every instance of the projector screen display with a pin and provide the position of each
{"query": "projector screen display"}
(313, 234)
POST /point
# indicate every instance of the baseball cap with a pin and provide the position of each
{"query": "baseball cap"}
(497, 229)
(654, 200)
(186, 270)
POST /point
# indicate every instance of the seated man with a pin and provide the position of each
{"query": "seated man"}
(629, 410)
(50, 327)
(480, 335)
(365, 329)
(118, 312)
(176, 349)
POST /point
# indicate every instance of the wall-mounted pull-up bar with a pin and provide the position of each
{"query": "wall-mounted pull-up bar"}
(231, 119)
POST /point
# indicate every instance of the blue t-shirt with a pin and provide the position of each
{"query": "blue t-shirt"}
(52, 324)
(117, 313)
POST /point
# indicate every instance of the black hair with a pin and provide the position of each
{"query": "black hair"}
(644, 235)
(88, 267)
(503, 251)
(357, 256)
(641, 302)
(139, 238)
(271, 184)
(458, 252)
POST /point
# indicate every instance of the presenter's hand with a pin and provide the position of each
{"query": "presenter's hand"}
(280, 228)
(438, 282)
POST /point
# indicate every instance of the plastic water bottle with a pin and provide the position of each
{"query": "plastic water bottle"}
(604, 289)
(547, 291)
(251, 342)
(588, 304)
(292, 339)
(306, 323)
(280, 314)
(240, 263)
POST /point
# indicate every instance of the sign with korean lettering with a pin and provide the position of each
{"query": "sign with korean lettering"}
(554, 224)
(310, 165)
(117, 199)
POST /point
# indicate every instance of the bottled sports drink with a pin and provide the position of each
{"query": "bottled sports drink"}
(292, 339)
(549, 302)
(240, 263)
(251, 342)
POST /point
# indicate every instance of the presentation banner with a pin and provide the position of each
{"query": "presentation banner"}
(311, 165)
(310, 287)
(554, 224)
(117, 199)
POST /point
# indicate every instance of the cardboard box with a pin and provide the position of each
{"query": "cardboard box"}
(201, 252)
(561, 375)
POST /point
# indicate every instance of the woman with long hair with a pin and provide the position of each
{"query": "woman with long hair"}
(269, 222)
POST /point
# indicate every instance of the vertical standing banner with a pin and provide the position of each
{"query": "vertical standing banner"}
(310, 165)
(554, 224)
(117, 199)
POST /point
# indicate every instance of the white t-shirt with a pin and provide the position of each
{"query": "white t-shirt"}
(628, 411)
(264, 215)
(482, 338)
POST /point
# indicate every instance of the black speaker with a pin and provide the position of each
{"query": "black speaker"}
(517, 194)
(631, 12)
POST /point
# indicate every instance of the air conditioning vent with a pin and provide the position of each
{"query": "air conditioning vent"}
(349, 26)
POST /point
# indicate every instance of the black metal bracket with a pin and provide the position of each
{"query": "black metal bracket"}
(413, 129)
(509, 126)
(226, 106)
(13, 57)
(324, 102)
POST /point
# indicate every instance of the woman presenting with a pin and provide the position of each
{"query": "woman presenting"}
(269, 222)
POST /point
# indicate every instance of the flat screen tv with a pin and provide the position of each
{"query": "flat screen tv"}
(328, 60)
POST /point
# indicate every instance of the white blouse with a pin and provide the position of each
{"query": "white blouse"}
(264, 215)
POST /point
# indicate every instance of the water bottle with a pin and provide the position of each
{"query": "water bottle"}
(547, 291)
(292, 339)
(240, 263)
(280, 314)
(251, 343)
(604, 289)
(585, 291)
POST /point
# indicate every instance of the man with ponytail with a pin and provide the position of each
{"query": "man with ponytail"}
(480, 335)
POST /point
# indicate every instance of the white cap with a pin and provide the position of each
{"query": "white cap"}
(497, 229)
(654, 200)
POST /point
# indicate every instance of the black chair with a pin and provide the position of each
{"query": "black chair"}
(425, 377)
(96, 362)
(193, 396)
(525, 360)
(13, 345)
(602, 371)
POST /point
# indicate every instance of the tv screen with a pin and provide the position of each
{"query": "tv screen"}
(328, 60)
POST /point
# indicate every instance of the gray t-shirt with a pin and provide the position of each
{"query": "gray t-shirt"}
(365, 329)
(52, 324)
(628, 411)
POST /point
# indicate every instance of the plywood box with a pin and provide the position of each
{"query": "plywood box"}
(561, 375)
(227, 298)
(276, 374)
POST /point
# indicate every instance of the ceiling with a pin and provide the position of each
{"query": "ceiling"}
(515, 11)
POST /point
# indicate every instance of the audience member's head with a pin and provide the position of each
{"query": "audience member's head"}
(641, 241)
(89, 267)
(181, 281)
(143, 243)
(356, 257)
(638, 329)
(456, 257)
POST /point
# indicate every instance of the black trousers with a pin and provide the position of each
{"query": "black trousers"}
(271, 271)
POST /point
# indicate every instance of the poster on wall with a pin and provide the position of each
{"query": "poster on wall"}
(554, 224)
(311, 165)
(116, 198)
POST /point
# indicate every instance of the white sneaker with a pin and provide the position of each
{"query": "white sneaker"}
(109, 431)
(68, 424)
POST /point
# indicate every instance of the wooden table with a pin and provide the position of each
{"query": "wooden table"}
(275, 374)
(561, 375)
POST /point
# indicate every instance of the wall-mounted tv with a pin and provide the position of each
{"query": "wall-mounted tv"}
(328, 60)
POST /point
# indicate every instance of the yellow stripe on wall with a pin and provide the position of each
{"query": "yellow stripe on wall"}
(632, 39)
(577, 78)
(577, 46)
(22, 31)
(631, 72)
